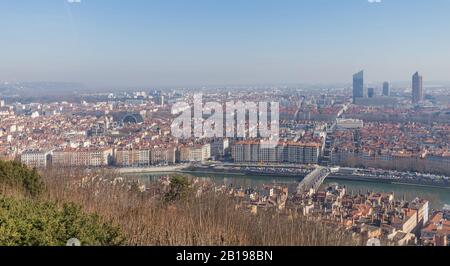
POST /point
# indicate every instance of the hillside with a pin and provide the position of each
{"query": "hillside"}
(101, 209)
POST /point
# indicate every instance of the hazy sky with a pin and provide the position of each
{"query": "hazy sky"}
(205, 42)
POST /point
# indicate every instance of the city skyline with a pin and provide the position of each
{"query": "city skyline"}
(207, 123)
(172, 43)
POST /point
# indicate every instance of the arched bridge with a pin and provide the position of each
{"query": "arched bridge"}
(314, 179)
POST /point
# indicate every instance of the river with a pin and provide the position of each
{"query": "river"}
(437, 196)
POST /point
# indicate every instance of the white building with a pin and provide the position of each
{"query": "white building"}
(196, 153)
(349, 123)
(36, 158)
(284, 152)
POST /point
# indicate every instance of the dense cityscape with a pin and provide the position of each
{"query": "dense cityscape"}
(203, 132)
(375, 134)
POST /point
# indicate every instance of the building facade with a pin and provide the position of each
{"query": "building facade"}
(195, 153)
(82, 157)
(36, 158)
(284, 152)
(142, 157)
(358, 86)
(386, 89)
(417, 88)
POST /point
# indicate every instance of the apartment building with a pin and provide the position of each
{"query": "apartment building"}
(163, 155)
(131, 157)
(144, 156)
(284, 152)
(195, 153)
(82, 157)
(36, 158)
(343, 124)
(246, 151)
(414, 217)
(437, 231)
(219, 148)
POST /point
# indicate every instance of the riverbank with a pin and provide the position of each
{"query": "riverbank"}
(418, 185)
(438, 196)
(212, 173)
(192, 170)
(157, 169)
(349, 178)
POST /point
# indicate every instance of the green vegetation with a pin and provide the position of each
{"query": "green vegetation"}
(179, 189)
(29, 219)
(30, 223)
(14, 174)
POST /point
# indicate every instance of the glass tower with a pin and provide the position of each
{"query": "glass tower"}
(358, 86)
(417, 88)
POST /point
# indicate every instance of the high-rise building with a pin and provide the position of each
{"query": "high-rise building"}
(417, 88)
(358, 85)
(371, 92)
(386, 89)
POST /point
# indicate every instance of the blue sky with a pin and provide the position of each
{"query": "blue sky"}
(217, 42)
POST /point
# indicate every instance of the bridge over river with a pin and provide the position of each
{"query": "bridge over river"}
(314, 179)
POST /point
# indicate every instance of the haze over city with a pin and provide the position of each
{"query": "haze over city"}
(181, 43)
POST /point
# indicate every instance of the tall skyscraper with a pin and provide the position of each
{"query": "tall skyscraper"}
(371, 92)
(358, 86)
(386, 89)
(417, 88)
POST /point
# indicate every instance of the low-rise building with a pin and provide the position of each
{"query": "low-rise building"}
(349, 123)
(436, 232)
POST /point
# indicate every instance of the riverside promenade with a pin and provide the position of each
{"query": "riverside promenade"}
(153, 169)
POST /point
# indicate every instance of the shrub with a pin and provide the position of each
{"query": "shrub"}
(179, 189)
(28, 222)
(16, 175)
